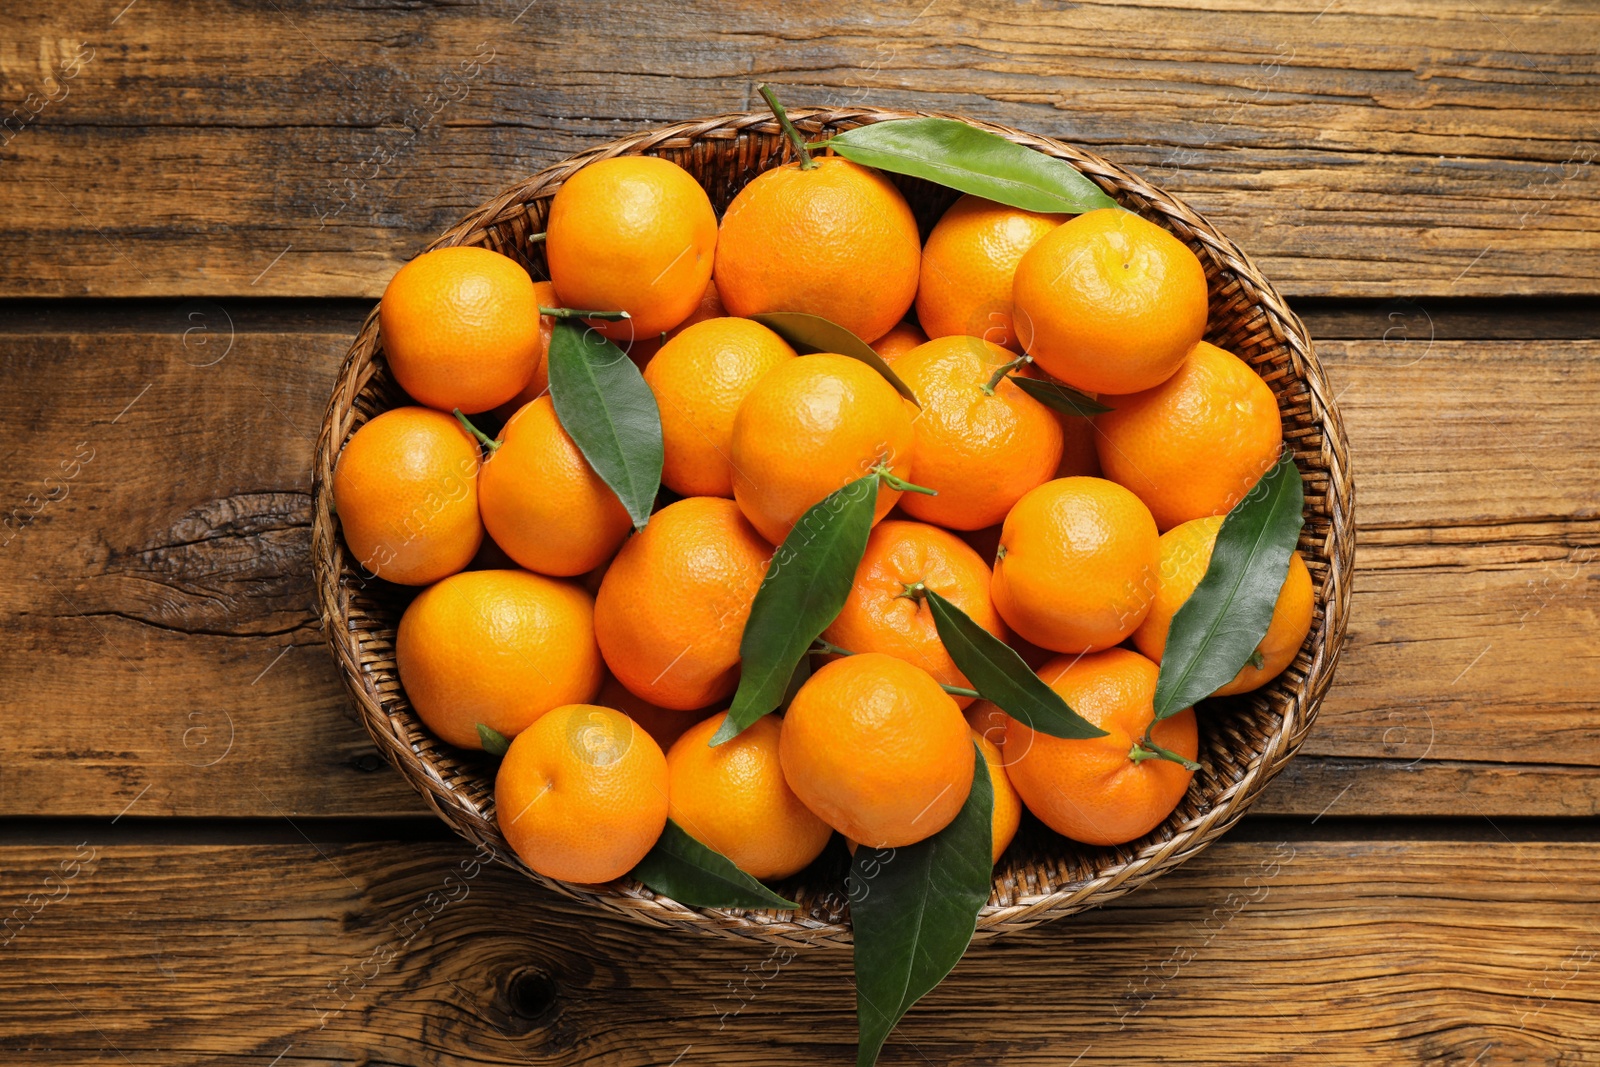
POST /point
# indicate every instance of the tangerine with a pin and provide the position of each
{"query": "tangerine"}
(901, 338)
(699, 378)
(1195, 444)
(980, 441)
(1110, 302)
(811, 425)
(582, 794)
(542, 502)
(880, 752)
(1076, 567)
(499, 648)
(460, 328)
(734, 799)
(969, 264)
(672, 606)
(831, 238)
(1094, 790)
(634, 234)
(1185, 555)
(887, 611)
(405, 488)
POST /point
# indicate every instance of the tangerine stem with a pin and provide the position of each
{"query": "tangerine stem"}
(806, 162)
(1004, 370)
(483, 439)
(894, 481)
(573, 313)
(915, 591)
(1144, 749)
(535, 238)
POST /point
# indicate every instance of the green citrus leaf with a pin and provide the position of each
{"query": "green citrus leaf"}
(494, 742)
(1062, 398)
(1225, 618)
(813, 333)
(913, 911)
(692, 873)
(961, 156)
(1001, 677)
(609, 412)
(807, 583)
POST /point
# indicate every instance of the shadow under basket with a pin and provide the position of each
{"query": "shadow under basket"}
(1244, 741)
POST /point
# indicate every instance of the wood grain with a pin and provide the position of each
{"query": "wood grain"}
(156, 595)
(158, 602)
(1359, 147)
(1335, 950)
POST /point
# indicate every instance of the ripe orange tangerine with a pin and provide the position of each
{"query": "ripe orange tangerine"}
(902, 338)
(699, 378)
(1109, 302)
(1007, 809)
(811, 425)
(405, 489)
(734, 798)
(636, 234)
(886, 611)
(1094, 790)
(1076, 566)
(499, 648)
(1195, 444)
(582, 794)
(836, 240)
(542, 502)
(672, 606)
(969, 265)
(460, 328)
(979, 446)
(874, 747)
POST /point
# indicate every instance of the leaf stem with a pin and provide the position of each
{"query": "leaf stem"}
(806, 162)
(573, 313)
(1144, 749)
(1002, 371)
(958, 691)
(894, 481)
(483, 439)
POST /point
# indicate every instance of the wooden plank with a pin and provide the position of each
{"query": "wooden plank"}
(1334, 949)
(1470, 434)
(1363, 147)
(158, 603)
(157, 596)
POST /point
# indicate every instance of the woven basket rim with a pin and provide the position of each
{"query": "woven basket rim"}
(1235, 278)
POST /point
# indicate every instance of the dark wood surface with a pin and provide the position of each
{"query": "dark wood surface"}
(204, 860)
(1274, 946)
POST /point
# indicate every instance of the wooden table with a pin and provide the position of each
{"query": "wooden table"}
(202, 859)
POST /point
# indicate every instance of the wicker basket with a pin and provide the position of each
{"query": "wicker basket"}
(1244, 740)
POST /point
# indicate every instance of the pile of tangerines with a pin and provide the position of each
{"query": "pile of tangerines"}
(607, 650)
